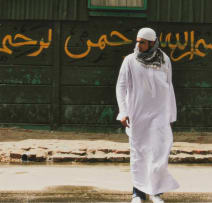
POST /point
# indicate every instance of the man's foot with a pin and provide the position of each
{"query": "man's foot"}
(137, 200)
(156, 199)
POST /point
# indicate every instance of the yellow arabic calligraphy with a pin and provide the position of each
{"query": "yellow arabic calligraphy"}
(194, 46)
(102, 42)
(28, 41)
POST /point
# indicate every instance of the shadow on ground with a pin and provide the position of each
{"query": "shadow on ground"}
(92, 194)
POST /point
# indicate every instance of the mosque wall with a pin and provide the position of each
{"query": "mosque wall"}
(62, 74)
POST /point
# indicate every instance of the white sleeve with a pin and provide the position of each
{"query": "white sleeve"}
(121, 90)
(173, 106)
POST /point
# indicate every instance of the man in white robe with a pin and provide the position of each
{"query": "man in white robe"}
(147, 106)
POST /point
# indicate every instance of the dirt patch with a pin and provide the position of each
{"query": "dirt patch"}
(193, 137)
(18, 134)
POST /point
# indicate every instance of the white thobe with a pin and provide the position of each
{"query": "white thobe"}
(147, 97)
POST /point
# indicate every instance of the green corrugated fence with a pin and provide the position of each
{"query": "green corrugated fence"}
(43, 10)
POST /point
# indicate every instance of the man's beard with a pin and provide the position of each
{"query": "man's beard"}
(153, 56)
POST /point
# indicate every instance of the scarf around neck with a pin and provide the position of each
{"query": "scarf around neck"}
(153, 58)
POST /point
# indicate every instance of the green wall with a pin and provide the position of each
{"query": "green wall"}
(63, 74)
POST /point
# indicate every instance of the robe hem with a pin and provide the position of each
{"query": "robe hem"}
(146, 191)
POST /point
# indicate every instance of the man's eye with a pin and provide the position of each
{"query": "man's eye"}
(141, 42)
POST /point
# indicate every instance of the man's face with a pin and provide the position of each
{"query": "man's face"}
(143, 44)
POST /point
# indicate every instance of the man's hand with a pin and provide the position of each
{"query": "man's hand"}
(125, 122)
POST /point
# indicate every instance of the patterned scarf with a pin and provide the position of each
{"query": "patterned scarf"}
(153, 58)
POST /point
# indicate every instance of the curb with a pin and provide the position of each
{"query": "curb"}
(25, 157)
(54, 151)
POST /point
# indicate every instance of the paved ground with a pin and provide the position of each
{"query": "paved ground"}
(18, 145)
(95, 182)
(65, 172)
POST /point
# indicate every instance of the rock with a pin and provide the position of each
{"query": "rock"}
(99, 156)
(91, 151)
(121, 151)
(186, 158)
(82, 149)
(50, 152)
(16, 154)
(204, 152)
(28, 156)
(203, 159)
(41, 147)
(64, 150)
(117, 157)
(105, 150)
(26, 148)
(78, 152)
(177, 159)
(34, 155)
(15, 161)
(40, 157)
(100, 153)
(63, 157)
(174, 152)
(81, 159)
(5, 159)
(127, 159)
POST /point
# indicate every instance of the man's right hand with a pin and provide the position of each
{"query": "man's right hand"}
(125, 122)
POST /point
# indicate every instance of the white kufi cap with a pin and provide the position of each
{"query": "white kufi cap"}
(147, 33)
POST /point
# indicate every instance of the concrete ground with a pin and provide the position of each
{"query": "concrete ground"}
(95, 183)
(43, 166)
